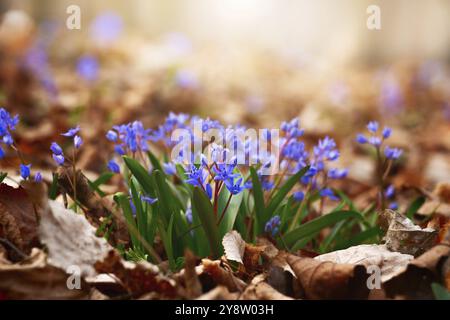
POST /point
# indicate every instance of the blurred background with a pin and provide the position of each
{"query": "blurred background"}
(255, 62)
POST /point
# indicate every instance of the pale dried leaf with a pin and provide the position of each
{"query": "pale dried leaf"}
(234, 246)
(390, 263)
(70, 239)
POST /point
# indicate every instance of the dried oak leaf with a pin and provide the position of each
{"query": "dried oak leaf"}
(222, 276)
(390, 263)
(415, 281)
(18, 220)
(259, 289)
(404, 236)
(70, 239)
(328, 280)
(137, 278)
(34, 278)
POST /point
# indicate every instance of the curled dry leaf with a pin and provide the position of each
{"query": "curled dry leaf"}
(328, 280)
(34, 278)
(18, 221)
(137, 278)
(404, 236)
(222, 276)
(415, 281)
(390, 263)
(70, 239)
(442, 191)
(234, 246)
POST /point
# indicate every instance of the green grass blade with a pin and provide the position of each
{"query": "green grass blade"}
(415, 206)
(258, 196)
(318, 224)
(208, 220)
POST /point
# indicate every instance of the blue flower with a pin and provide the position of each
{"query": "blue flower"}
(327, 192)
(2, 153)
(234, 188)
(106, 27)
(392, 153)
(119, 150)
(77, 142)
(337, 173)
(186, 79)
(111, 135)
(148, 200)
(298, 196)
(390, 191)
(38, 177)
(196, 176)
(386, 132)
(224, 172)
(113, 166)
(372, 126)
(8, 140)
(59, 159)
(169, 168)
(56, 149)
(25, 171)
(71, 132)
(360, 138)
(375, 141)
(272, 226)
(88, 68)
(393, 206)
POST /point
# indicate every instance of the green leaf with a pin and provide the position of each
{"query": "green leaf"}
(53, 190)
(281, 194)
(230, 215)
(208, 220)
(414, 206)
(440, 292)
(141, 174)
(167, 239)
(123, 202)
(155, 162)
(358, 238)
(3, 175)
(258, 196)
(94, 185)
(318, 224)
(140, 217)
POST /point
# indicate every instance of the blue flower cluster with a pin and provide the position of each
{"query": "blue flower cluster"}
(57, 151)
(7, 125)
(377, 140)
(272, 226)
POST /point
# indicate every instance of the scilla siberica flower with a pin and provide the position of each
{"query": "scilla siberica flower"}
(272, 226)
(25, 171)
(377, 140)
(131, 137)
(113, 166)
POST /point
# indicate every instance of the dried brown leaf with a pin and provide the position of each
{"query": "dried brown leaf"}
(328, 280)
(34, 278)
(222, 276)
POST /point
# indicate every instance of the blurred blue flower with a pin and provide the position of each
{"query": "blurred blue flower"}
(77, 142)
(328, 193)
(390, 191)
(59, 159)
(272, 226)
(298, 196)
(148, 200)
(113, 166)
(55, 148)
(372, 126)
(111, 135)
(335, 173)
(186, 79)
(386, 132)
(169, 168)
(360, 138)
(88, 68)
(71, 132)
(106, 28)
(392, 153)
(38, 177)
(25, 171)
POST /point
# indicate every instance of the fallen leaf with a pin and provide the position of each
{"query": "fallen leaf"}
(18, 220)
(137, 278)
(222, 276)
(234, 246)
(70, 239)
(191, 281)
(328, 280)
(218, 293)
(34, 278)
(261, 290)
(404, 236)
(390, 263)
(415, 280)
